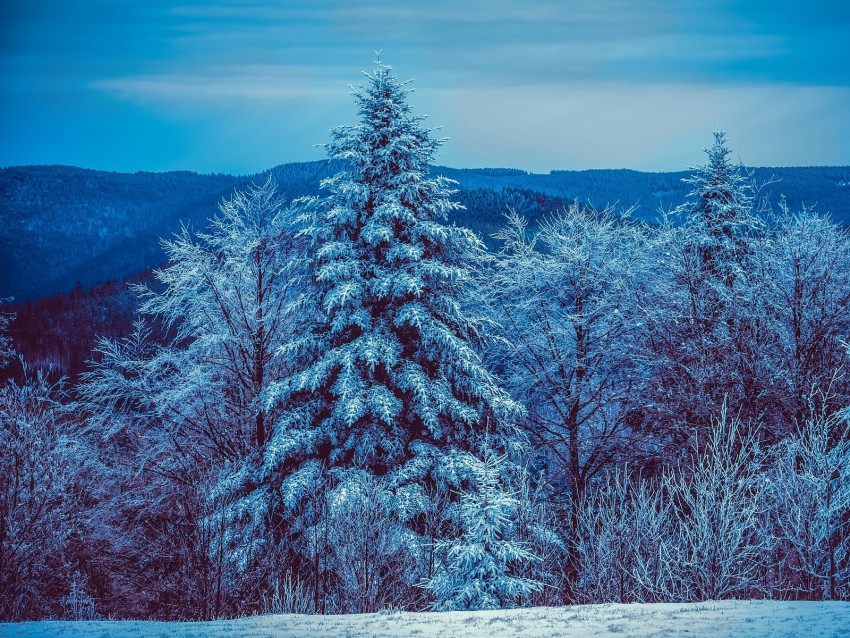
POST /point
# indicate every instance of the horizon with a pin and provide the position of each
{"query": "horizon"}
(687, 169)
(229, 87)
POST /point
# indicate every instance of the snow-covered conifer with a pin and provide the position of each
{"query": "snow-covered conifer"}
(393, 378)
(707, 341)
(721, 213)
(479, 568)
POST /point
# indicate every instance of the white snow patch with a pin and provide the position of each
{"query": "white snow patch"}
(753, 619)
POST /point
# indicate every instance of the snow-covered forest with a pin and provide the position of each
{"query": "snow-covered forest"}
(347, 403)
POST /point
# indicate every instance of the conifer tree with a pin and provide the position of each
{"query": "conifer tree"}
(706, 339)
(391, 378)
(478, 569)
(720, 213)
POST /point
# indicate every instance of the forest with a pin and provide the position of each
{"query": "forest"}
(347, 401)
(75, 226)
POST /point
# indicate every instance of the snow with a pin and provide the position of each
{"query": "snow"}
(753, 619)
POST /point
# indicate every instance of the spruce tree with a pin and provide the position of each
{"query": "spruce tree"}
(720, 213)
(392, 380)
(478, 569)
(707, 338)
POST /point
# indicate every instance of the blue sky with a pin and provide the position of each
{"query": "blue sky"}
(241, 86)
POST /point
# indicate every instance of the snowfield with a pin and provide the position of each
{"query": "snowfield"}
(753, 619)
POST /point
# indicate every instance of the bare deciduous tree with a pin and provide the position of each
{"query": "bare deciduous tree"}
(570, 345)
(39, 500)
(810, 491)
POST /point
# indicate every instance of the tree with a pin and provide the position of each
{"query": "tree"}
(39, 499)
(176, 414)
(626, 546)
(227, 296)
(811, 499)
(720, 215)
(802, 285)
(705, 334)
(372, 554)
(718, 511)
(391, 380)
(571, 343)
(478, 569)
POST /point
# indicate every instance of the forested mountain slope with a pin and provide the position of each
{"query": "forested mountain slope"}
(61, 225)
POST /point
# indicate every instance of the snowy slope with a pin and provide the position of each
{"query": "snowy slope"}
(753, 619)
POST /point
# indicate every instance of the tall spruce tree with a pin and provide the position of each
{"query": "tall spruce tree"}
(392, 380)
(707, 340)
(720, 213)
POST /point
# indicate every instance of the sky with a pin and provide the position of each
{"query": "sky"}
(241, 86)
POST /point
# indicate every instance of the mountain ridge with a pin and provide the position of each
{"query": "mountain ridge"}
(64, 224)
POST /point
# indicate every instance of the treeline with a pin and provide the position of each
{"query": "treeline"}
(823, 186)
(344, 404)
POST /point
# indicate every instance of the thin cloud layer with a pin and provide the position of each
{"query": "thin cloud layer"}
(205, 87)
(539, 85)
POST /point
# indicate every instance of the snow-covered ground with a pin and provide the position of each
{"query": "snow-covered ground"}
(750, 619)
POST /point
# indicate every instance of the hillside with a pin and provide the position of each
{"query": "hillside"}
(826, 187)
(63, 225)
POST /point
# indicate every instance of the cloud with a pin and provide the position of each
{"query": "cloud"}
(539, 84)
(226, 87)
(512, 42)
(642, 126)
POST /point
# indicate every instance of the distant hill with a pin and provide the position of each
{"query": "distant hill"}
(62, 225)
(826, 187)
